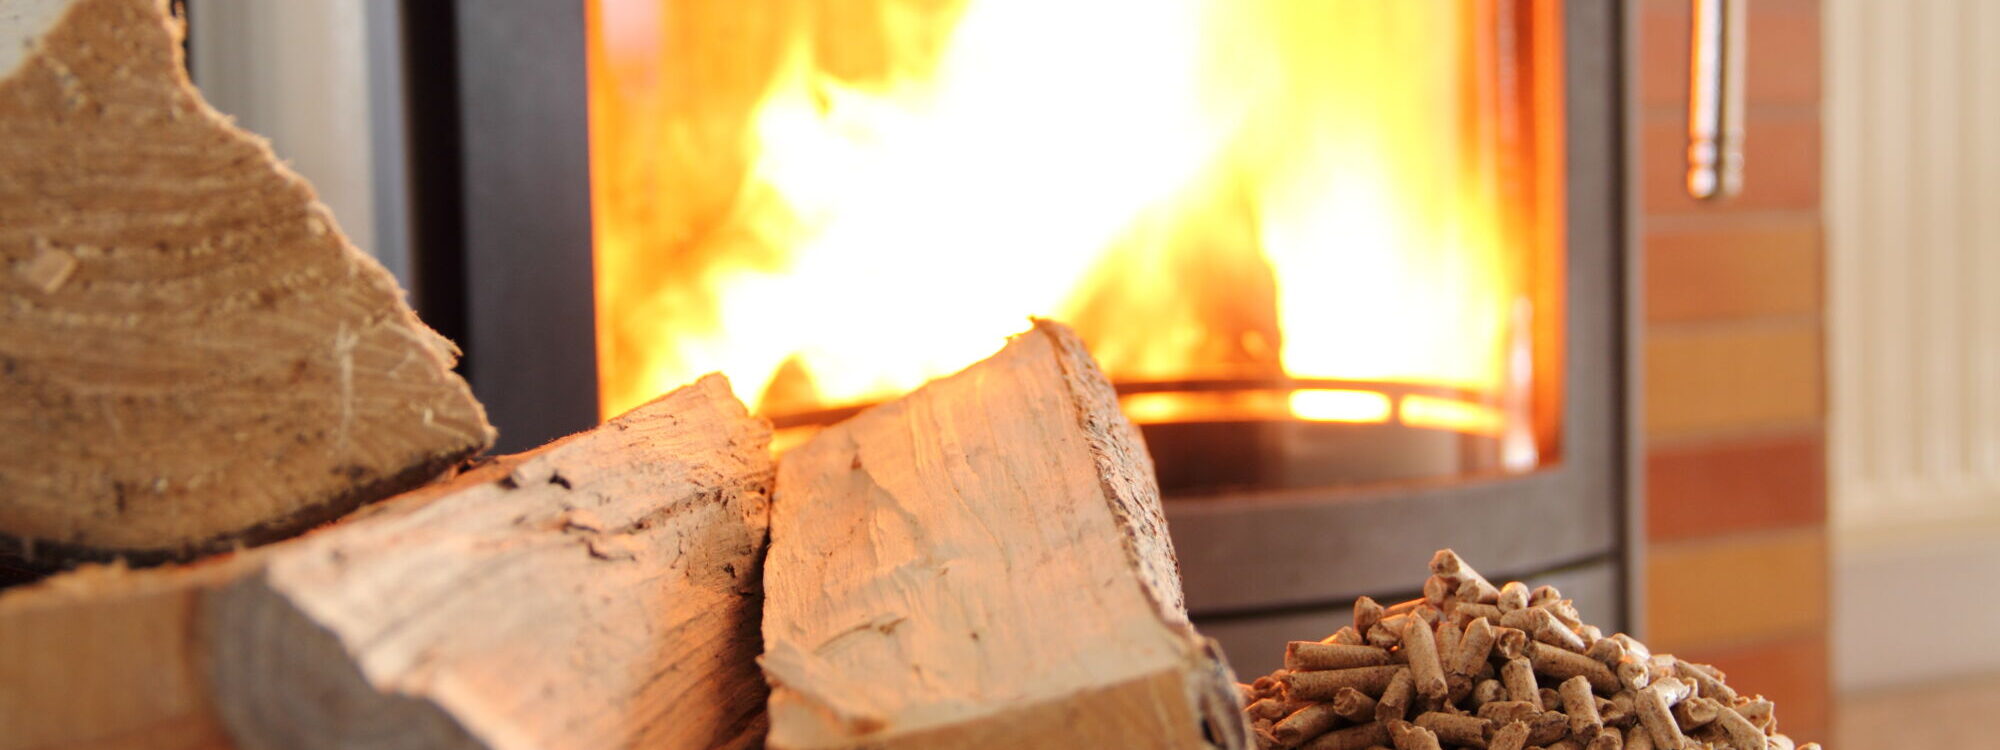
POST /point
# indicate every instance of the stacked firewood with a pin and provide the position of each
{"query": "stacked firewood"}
(206, 385)
(1471, 664)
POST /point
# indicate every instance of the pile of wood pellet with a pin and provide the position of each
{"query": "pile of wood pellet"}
(1471, 664)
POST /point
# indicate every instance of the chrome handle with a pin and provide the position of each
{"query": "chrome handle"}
(1715, 99)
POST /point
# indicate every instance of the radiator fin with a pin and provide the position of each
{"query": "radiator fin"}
(1913, 214)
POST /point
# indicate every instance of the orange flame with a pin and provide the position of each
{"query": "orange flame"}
(834, 201)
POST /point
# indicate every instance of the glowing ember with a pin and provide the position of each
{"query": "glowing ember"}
(833, 202)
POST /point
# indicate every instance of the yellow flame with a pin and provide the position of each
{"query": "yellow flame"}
(1450, 414)
(1323, 405)
(832, 202)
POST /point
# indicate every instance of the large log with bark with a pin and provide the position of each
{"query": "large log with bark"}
(192, 356)
(598, 592)
(984, 563)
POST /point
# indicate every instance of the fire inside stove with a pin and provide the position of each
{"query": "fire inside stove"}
(1326, 226)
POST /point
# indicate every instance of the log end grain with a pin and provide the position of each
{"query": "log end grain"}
(984, 563)
(194, 357)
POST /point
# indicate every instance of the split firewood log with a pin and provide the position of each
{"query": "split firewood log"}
(598, 592)
(192, 356)
(984, 563)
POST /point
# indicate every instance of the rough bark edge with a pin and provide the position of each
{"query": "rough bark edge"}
(1136, 506)
(29, 559)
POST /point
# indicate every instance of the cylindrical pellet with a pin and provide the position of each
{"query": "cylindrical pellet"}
(1306, 723)
(1742, 733)
(1474, 646)
(1513, 736)
(1360, 737)
(1656, 715)
(1324, 684)
(1366, 613)
(1581, 706)
(1455, 729)
(1303, 656)
(1409, 736)
(1507, 712)
(1424, 666)
(1563, 664)
(1519, 679)
(1354, 705)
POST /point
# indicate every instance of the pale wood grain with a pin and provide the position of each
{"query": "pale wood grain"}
(599, 592)
(983, 563)
(192, 355)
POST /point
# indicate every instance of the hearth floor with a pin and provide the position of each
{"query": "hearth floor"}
(1952, 714)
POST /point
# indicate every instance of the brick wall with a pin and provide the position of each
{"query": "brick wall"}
(1734, 388)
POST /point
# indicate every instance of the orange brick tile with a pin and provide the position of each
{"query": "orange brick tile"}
(1731, 378)
(1740, 588)
(1753, 484)
(1723, 269)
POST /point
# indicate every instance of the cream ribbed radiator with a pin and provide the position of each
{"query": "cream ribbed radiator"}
(1913, 219)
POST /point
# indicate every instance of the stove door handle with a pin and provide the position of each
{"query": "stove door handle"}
(1715, 98)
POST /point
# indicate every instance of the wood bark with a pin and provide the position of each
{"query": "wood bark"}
(599, 592)
(192, 356)
(984, 563)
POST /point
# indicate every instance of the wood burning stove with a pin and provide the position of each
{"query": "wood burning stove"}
(1278, 516)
